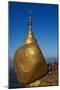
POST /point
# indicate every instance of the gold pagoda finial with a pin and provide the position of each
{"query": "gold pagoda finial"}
(30, 37)
(30, 34)
(30, 20)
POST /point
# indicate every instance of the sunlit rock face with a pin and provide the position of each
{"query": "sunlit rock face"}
(29, 62)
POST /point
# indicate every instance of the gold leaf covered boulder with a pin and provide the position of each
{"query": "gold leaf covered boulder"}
(29, 62)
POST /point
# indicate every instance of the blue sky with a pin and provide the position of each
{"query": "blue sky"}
(45, 26)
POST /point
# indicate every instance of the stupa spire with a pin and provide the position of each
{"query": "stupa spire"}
(30, 20)
(30, 37)
(30, 33)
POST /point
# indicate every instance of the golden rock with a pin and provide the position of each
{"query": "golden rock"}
(29, 62)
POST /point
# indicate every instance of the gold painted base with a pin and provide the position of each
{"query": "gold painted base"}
(34, 84)
(38, 83)
(47, 80)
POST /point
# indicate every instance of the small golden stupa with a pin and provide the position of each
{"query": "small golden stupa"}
(29, 62)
